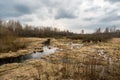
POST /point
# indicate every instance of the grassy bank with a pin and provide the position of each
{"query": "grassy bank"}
(9, 41)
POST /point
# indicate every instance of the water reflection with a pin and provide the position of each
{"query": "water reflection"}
(37, 55)
(46, 51)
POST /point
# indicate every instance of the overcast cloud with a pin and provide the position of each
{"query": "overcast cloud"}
(73, 15)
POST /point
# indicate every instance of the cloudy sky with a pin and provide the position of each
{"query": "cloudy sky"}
(73, 15)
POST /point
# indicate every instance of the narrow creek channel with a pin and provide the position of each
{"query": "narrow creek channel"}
(36, 55)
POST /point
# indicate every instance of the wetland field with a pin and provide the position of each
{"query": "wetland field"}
(59, 39)
(62, 59)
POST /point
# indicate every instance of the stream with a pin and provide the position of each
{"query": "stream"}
(47, 50)
(36, 55)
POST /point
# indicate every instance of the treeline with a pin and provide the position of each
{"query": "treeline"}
(14, 28)
(98, 35)
(31, 31)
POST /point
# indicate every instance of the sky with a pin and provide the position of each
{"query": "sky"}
(73, 15)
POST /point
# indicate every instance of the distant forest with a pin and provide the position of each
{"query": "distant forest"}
(15, 28)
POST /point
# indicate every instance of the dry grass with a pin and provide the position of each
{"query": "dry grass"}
(73, 64)
(11, 44)
(20, 46)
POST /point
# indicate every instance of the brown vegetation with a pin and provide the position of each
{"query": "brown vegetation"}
(71, 64)
(9, 42)
(76, 64)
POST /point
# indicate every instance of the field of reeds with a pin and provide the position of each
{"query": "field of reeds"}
(90, 61)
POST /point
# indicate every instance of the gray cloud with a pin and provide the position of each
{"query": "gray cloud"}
(89, 19)
(22, 9)
(114, 1)
(12, 9)
(57, 12)
(95, 8)
(111, 18)
(10, 13)
(65, 14)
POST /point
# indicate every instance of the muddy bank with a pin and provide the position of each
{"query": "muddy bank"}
(31, 44)
(36, 55)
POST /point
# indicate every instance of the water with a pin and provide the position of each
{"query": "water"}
(46, 51)
(37, 55)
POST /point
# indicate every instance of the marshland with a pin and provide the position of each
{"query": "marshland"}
(62, 56)
(59, 40)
